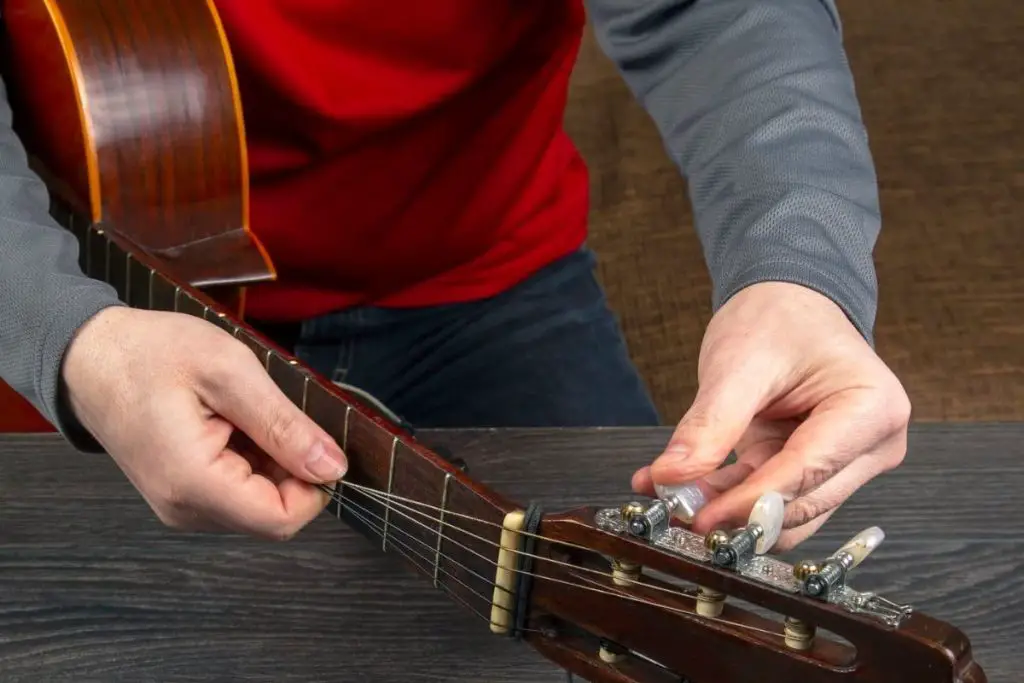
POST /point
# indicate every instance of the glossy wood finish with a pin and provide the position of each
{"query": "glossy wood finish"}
(130, 112)
(161, 157)
(921, 649)
(96, 589)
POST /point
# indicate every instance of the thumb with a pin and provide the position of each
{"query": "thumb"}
(721, 412)
(249, 399)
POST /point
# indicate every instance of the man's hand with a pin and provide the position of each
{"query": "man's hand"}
(811, 411)
(163, 393)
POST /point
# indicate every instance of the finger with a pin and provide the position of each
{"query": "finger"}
(244, 394)
(791, 538)
(642, 482)
(232, 495)
(831, 441)
(644, 485)
(722, 479)
(260, 462)
(711, 486)
(710, 430)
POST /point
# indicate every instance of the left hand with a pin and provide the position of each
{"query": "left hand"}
(811, 411)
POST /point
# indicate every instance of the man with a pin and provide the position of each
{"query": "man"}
(427, 214)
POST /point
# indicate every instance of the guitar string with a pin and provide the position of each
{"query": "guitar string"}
(411, 501)
(383, 497)
(599, 589)
(401, 544)
(407, 504)
(574, 570)
(451, 593)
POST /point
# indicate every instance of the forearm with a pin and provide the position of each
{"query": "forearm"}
(44, 296)
(756, 104)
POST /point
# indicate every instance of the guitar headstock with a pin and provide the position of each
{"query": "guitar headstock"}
(624, 595)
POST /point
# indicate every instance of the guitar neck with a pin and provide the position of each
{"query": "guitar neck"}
(401, 495)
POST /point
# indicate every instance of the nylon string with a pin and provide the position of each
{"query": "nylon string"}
(403, 507)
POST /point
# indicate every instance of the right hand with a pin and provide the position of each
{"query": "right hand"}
(163, 392)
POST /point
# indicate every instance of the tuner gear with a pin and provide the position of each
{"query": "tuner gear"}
(819, 584)
(761, 533)
(739, 552)
(716, 538)
(740, 547)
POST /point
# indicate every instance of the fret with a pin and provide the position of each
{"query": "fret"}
(99, 254)
(462, 563)
(290, 378)
(367, 446)
(163, 293)
(140, 285)
(77, 227)
(332, 415)
(257, 347)
(190, 305)
(85, 250)
(117, 271)
(387, 499)
(221, 320)
(344, 433)
(470, 548)
(440, 527)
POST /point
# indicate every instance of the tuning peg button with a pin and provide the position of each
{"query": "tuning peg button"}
(684, 501)
(768, 513)
(859, 547)
(819, 582)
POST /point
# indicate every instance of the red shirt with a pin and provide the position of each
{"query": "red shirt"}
(408, 152)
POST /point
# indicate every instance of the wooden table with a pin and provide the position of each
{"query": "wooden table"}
(93, 588)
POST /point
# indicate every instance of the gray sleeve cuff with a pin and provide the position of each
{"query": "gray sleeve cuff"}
(72, 311)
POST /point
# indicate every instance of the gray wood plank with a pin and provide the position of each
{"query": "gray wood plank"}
(93, 588)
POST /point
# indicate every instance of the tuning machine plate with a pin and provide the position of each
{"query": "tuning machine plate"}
(744, 552)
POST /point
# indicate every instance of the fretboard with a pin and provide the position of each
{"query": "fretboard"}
(406, 498)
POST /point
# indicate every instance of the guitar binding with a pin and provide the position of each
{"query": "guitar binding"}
(800, 579)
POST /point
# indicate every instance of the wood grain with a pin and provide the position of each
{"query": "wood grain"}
(93, 588)
(130, 113)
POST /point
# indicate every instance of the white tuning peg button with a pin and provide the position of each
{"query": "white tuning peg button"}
(768, 514)
(862, 545)
(685, 500)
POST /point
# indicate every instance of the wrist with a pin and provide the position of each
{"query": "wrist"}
(811, 287)
(94, 344)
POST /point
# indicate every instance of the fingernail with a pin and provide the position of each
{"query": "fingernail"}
(323, 466)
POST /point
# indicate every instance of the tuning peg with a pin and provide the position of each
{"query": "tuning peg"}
(648, 521)
(684, 501)
(764, 525)
(768, 514)
(820, 579)
(859, 547)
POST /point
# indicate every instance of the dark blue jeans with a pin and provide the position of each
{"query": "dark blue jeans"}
(548, 352)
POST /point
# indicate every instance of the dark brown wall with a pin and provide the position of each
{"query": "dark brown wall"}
(942, 90)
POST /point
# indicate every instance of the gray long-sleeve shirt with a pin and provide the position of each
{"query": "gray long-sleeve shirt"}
(754, 100)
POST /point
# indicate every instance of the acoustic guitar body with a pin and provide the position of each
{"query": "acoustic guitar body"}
(131, 114)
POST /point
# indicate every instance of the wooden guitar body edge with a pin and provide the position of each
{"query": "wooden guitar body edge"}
(133, 119)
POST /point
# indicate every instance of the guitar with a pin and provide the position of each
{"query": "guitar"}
(131, 114)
